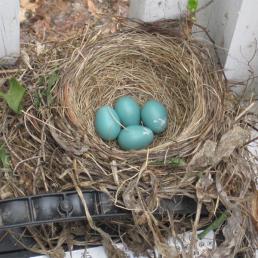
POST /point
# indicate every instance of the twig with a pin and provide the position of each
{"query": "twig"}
(252, 126)
(49, 125)
(244, 112)
(22, 161)
(195, 226)
(204, 6)
(252, 140)
(11, 71)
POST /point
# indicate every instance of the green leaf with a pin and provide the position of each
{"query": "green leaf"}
(177, 162)
(52, 80)
(214, 225)
(192, 5)
(44, 94)
(41, 81)
(36, 101)
(4, 157)
(14, 95)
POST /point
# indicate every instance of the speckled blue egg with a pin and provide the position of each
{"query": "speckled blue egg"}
(135, 137)
(128, 111)
(154, 115)
(107, 123)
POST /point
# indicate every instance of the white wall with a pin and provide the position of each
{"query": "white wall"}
(9, 31)
(153, 10)
(220, 19)
(242, 57)
(233, 24)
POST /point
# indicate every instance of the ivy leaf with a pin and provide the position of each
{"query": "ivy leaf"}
(192, 5)
(4, 157)
(14, 95)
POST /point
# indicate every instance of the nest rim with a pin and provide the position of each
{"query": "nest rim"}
(191, 60)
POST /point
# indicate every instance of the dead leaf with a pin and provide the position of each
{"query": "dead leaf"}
(231, 140)
(71, 144)
(230, 101)
(121, 8)
(166, 250)
(40, 48)
(202, 187)
(91, 7)
(27, 6)
(26, 59)
(205, 156)
(129, 197)
(233, 232)
(212, 153)
(55, 18)
(235, 228)
(5, 192)
(111, 249)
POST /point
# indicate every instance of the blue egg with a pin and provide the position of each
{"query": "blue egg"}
(128, 110)
(135, 137)
(107, 123)
(155, 116)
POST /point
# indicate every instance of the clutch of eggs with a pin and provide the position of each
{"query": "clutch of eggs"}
(133, 127)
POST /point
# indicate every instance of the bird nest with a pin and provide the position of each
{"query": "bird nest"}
(202, 155)
(177, 72)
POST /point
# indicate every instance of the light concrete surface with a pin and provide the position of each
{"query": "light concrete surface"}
(9, 31)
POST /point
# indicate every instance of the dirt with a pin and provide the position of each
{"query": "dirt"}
(52, 19)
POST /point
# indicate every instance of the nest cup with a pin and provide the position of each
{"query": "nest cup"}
(178, 72)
